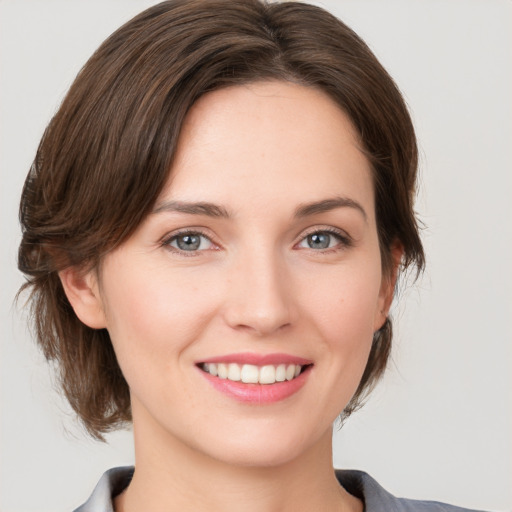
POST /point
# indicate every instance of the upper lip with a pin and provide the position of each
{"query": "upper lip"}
(258, 359)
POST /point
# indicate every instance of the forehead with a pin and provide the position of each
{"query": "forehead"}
(266, 140)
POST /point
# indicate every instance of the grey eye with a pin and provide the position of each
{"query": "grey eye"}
(319, 240)
(190, 242)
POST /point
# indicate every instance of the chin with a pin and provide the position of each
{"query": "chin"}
(260, 458)
(267, 451)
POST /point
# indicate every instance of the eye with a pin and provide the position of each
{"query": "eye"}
(324, 239)
(190, 241)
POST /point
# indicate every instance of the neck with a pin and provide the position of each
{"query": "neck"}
(172, 476)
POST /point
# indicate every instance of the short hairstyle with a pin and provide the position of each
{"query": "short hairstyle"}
(108, 152)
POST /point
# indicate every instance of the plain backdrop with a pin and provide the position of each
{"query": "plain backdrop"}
(440, 424)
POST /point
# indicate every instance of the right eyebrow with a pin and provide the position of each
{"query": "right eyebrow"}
(327, 205)
(199, 208)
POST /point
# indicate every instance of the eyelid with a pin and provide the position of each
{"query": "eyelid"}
(345, 239)
(166, 240)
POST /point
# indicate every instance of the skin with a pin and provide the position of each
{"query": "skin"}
(255, 284)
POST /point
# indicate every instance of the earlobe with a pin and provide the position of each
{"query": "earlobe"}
(387, 289)
(82, 291)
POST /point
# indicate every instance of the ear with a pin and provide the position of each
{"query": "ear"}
(83, 294)
(387, 287)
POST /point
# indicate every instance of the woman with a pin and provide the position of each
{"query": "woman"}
(213, 226)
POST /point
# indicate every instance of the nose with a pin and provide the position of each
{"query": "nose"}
(260, 295)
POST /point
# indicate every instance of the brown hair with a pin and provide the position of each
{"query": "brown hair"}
(108, 151)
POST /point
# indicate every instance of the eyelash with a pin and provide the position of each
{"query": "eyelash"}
(166, 242)
(344, 241)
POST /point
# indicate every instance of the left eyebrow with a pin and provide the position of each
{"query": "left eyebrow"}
(327, 205)
(199, 208)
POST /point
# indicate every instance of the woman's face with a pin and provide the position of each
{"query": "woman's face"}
(260, 260)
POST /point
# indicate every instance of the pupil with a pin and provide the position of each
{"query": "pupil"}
(319, 240)
(189, 242)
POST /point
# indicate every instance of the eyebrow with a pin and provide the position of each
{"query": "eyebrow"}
(327, 205)
(214, 210)
(199, 208)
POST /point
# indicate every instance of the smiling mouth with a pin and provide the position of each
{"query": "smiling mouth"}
(253, 374)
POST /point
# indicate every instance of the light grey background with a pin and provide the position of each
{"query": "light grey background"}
(440, 424)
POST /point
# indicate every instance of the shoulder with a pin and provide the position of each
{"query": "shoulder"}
(112, 482)
(377, 499)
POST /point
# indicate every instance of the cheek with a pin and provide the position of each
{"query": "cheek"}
(152, 316)
(348, 300)
(344, 310)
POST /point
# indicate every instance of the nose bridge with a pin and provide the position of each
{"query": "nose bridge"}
(260, 298)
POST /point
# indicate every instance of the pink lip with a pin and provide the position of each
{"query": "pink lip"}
(258, 394)
(258, 359)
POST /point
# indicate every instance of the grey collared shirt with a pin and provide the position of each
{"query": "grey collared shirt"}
(358, 483)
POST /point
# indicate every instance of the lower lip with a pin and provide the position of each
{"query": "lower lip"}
(258, 393)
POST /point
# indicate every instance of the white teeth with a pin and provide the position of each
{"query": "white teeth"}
(222, 370)
(234, 372)
(281, 373)
(267, 374)
(211, 368)
(252, 374)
